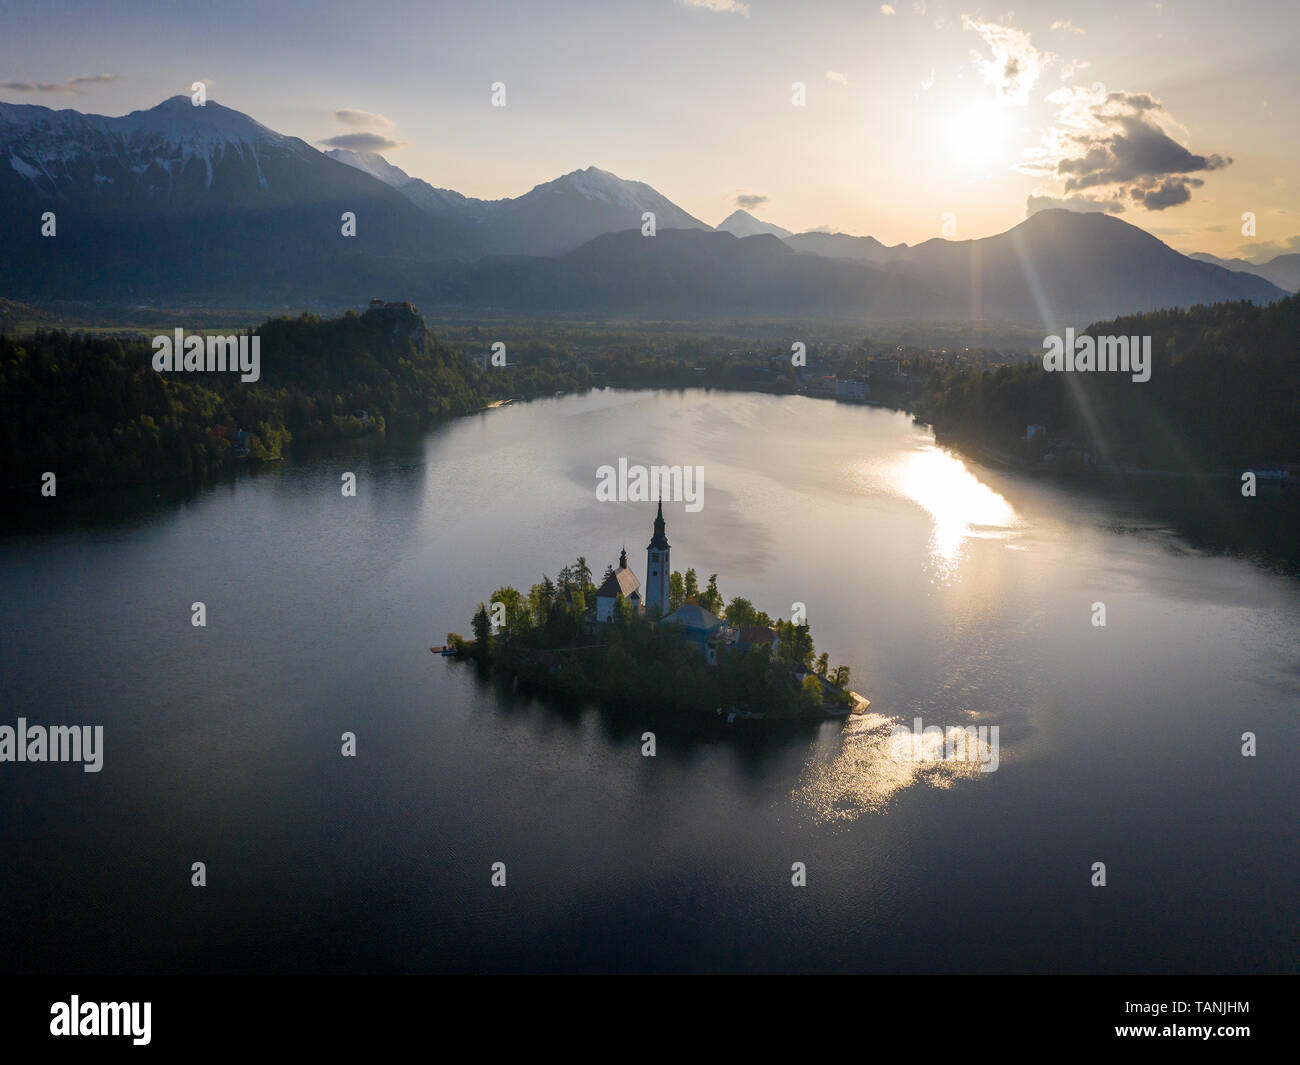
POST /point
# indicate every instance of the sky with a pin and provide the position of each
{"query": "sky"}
(918, 119)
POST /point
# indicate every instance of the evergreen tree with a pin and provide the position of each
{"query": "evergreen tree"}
(676, 591)
(483, 630)
(711, 600)
(692, 589)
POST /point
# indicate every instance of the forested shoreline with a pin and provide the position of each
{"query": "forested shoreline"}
(1224, 391)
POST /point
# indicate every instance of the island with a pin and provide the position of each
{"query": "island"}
(669, 643)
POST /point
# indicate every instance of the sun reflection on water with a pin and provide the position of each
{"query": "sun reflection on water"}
(866, 773)
(961, 506)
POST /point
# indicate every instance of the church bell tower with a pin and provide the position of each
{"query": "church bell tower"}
(657, 568)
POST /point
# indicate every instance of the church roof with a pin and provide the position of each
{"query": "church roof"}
(621, 582)
(755, 634)
(694, 617)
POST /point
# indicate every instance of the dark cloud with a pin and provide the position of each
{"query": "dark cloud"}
(60, 88)
(364, 142)
(1134, 149)
(1121, 142)
(1169, 193)
(749, 200)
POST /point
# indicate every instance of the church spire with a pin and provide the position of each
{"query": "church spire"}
(659, 541)
(622, 559)
(657, 568)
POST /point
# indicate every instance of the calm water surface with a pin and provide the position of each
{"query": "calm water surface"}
(956, 594)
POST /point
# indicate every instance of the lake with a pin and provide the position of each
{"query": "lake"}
(956, 594)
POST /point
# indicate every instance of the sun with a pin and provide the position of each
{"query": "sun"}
(977, 136)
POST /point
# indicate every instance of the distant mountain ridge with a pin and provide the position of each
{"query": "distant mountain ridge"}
(1056, 268)
(741, 223)
(1282, 270)
(553, 217)
(203, 204)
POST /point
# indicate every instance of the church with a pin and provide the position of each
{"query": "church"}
(623, 582)
(700, 627)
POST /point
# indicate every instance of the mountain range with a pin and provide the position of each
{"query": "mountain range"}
(551, 218)
(1282, 270)
(203, 204)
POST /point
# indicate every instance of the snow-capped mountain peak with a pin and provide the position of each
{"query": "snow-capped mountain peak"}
(373, 164)
(741, 223)
(62, 150)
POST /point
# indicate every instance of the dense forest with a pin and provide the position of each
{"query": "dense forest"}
(1224, 392)
(93, 410)
(546, 637)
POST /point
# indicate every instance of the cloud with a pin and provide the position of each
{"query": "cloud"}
(1038, 201)
(1123, 143)
(58, 88)
(1169, 193)
(1073, 67)
(1262, 251)
(363, 119)
(1065, 26)
(1015, 64)
(837, 77)
(750, 200)
(929, 82)
(722, 7)
(364, 142)
(887, 9)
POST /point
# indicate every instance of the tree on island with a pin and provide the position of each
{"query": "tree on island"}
(840, 678)
(516, 620)
(482, 625)
(609, 572)
(711, 600)
(575, 585)
(810, 695)
(823, 665)
(692, 587)
(794, 643)
(676, 591)
(541, 601)
(740, 613)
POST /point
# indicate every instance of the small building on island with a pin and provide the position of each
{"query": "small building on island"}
(756, 636)
(622, 583)
(700, 627)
